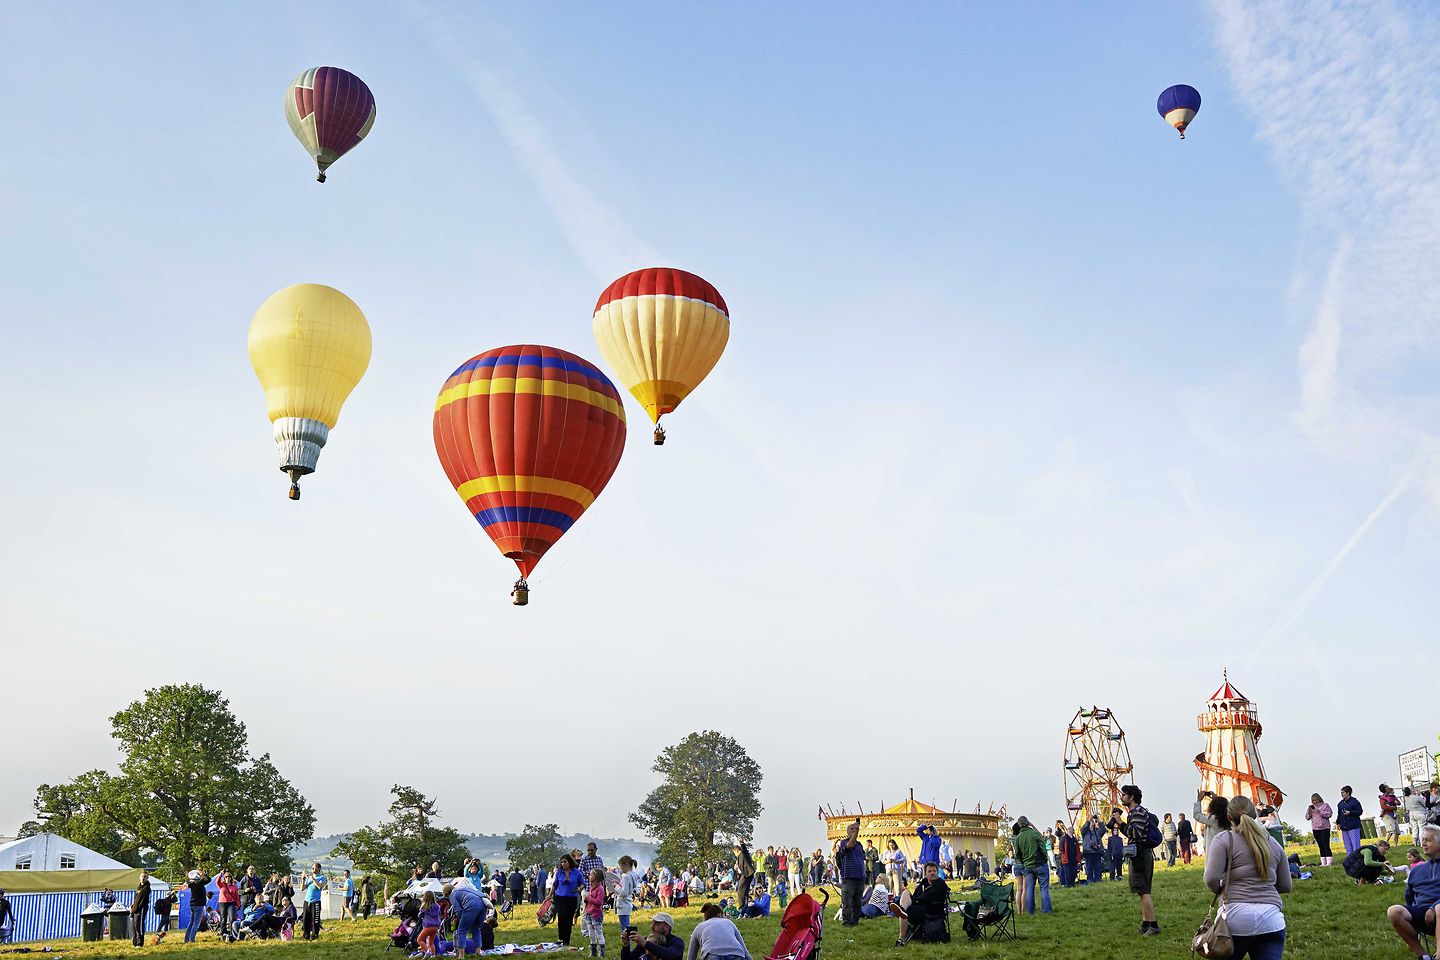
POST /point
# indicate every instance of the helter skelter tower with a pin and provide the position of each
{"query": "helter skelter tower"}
(1230, 765)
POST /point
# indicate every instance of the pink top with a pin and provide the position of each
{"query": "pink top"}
(227, 893)
(595, 902)
(1320, 815)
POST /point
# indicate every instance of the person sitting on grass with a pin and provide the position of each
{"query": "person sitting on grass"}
(1367, 863)
(924, 908)
(877, 902)
(1422, 895)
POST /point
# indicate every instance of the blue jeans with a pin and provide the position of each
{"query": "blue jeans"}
(1264, 946)
(1039, 873)
(467, 929)
(1351, 839)
(193, 927)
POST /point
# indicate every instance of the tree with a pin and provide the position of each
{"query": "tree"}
(536, 844)
(188, 793)
(29, 829)
(709, 792)
(409, 838)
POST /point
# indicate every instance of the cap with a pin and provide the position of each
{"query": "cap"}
(663, 917)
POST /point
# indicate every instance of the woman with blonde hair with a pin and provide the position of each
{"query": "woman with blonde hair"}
(1257, 874)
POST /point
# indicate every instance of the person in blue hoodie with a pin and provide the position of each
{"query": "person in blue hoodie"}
(929, 845)
(1347, 819)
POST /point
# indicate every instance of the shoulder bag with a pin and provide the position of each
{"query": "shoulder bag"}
(1213, 940)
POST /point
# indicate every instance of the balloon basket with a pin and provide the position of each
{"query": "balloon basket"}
(520, 595)
(294, 491)
(659, 436)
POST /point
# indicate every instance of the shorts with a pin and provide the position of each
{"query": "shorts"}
(1142, 872)
(1417, 920)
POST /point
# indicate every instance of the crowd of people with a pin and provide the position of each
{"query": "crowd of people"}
(1243, 847)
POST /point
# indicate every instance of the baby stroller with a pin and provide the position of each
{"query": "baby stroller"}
(801, 929)
(546, 913)
(404, 936)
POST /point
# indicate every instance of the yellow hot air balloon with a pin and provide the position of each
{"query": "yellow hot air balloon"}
(661, 330)
(309, 345)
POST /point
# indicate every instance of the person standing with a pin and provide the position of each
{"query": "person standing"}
(1115, 852)
(594, 922)
(1251, 868)
(349, 891)
(872, 862)
(1170, 834)
(626, 891)
(1386, 824)
(1319, 814)
(949, 860)
(568, 887)
(315, 885)
(893, 860)
(1347, 818)
(850, 862)
(591, 862)
(139, 907)
(197, 883)
(1185, 833)
(367, 897)
(1033, 865)
(1092, 848)
(745, 874)
(795, 863)
(1413, 802)
(228, 896)
(163, 907)
(7, 919)
(929, 845)
(1142, 830)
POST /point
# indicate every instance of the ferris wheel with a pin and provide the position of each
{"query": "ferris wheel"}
(1097, 764)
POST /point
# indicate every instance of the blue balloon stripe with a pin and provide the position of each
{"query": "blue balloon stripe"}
(552, 518)
(529, 360)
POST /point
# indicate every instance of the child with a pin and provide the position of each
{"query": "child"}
(163, 906)
(595, 913)
(626, 891)
(429, 924)
(782, 892)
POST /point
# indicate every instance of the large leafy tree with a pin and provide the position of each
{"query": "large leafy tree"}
(409, 838)
(536, 844)
(709, 795)
(188, 794)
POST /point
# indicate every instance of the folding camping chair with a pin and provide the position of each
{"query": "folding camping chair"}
(992, 917)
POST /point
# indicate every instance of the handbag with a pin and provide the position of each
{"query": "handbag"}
(1213, 940)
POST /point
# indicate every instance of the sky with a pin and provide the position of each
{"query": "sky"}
(1028, 405)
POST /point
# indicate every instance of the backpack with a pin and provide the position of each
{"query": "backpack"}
(1150, 837)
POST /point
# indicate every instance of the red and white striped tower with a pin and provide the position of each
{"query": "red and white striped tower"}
(1230, 765)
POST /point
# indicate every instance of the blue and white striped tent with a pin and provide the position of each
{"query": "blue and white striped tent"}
(55, 915)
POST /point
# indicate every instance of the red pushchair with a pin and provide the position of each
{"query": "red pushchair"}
(801, 928)
(546, 913)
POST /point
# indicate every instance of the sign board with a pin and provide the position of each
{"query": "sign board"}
(1416, 766)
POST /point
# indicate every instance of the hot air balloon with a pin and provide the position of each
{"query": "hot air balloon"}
(330, 110)
(528, 436)
(309, 345)
(1178, 105)
(661, 330)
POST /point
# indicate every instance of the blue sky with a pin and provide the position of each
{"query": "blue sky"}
(1027, 404)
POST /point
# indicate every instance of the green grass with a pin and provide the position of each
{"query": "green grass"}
(1328, 918)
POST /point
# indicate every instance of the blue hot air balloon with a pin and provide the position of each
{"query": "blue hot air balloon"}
(1178, 105)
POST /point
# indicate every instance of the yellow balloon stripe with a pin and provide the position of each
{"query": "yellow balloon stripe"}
(560, 488)
(548, 388)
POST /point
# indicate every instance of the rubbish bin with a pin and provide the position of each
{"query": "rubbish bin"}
(92, 923)
(1367, 828)
(119, 922)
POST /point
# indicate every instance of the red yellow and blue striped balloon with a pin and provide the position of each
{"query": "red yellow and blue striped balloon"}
(1178, 105)
(528, 436)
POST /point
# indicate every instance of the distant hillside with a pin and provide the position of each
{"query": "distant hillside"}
(489, 847)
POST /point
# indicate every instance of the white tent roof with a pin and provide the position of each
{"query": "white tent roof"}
(50, 851)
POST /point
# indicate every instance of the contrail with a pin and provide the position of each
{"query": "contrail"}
(1302, 603)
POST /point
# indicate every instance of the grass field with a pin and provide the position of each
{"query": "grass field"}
(1328, 917)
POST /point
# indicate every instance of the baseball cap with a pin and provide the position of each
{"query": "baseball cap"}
(663, 917)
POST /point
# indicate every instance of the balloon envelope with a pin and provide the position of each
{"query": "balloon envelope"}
(662, 331)
(330, 110)
(309, 345)
(529, 436)
(1178, 105)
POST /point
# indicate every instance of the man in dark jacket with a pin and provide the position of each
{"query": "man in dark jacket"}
(1092, 843)
(7, 918)
(138, 909)
(516, 883)
(196, 882)
(744, 875)
(924, 909)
